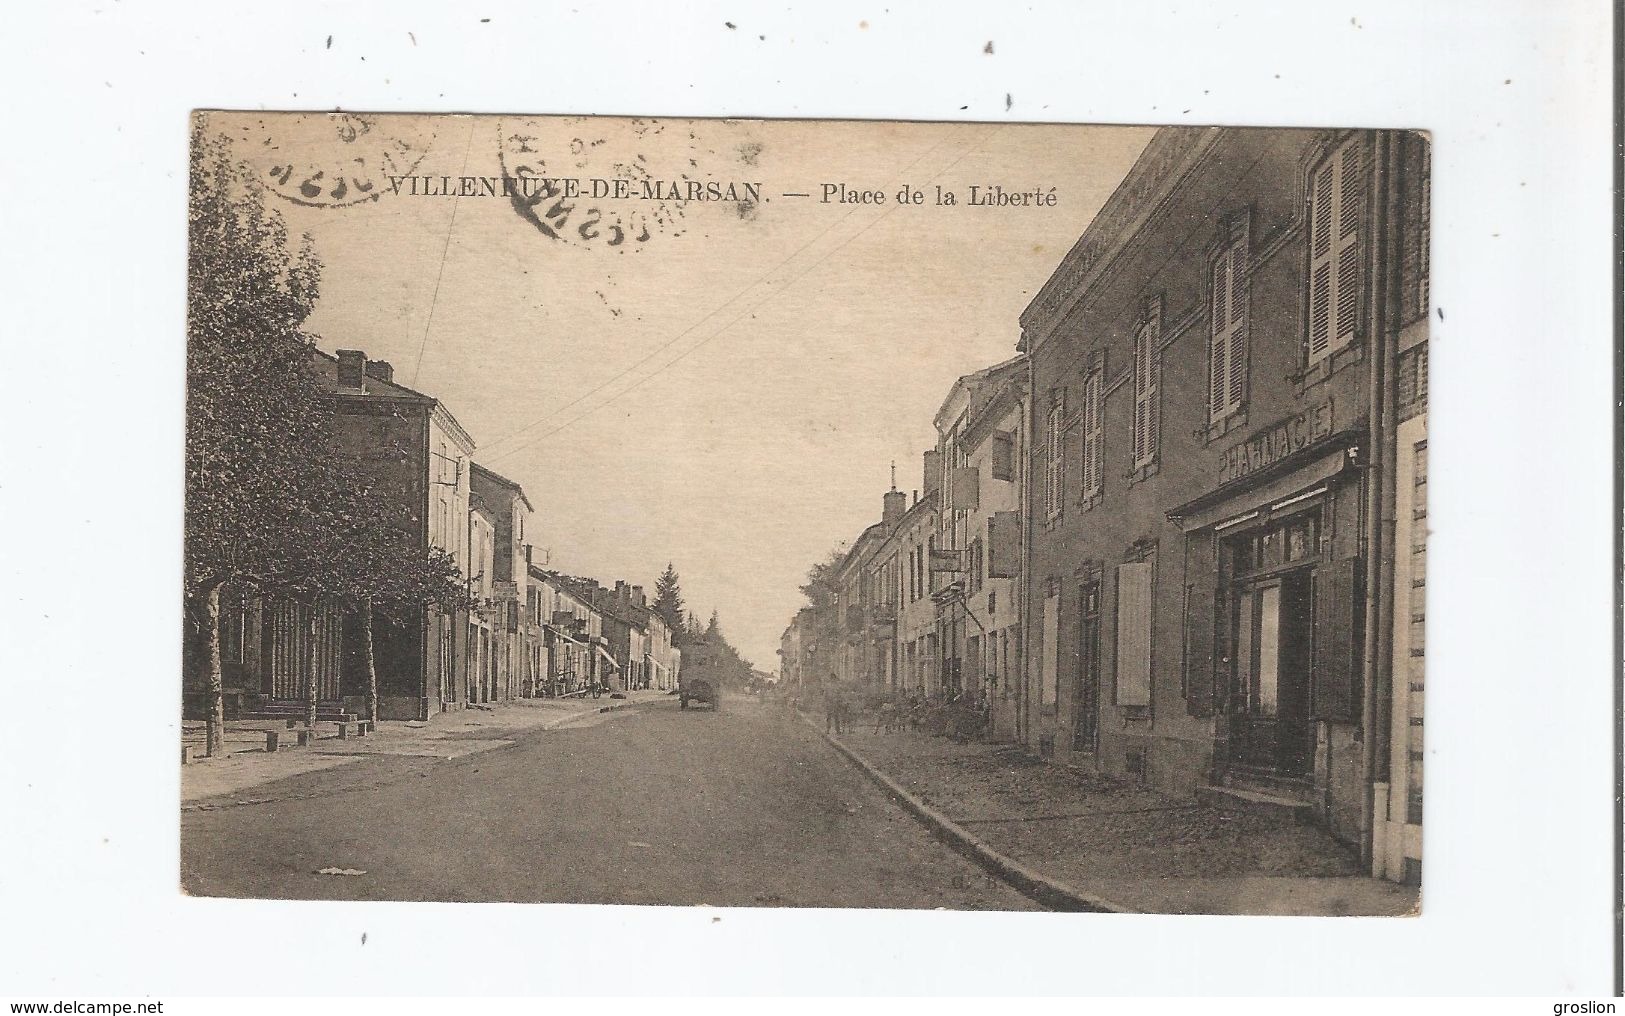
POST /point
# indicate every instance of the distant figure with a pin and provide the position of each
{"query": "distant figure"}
(834, 708)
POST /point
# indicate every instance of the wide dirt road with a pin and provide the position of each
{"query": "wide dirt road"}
(650, 805)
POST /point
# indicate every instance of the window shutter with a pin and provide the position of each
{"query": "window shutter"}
(1145, 391)
(1091, 435)
(1335, 638)
(1003, 544)
(1320, 262)
(1351, 208)
(1240, 255)
(1218, 344)
(1134, 634)
(1153, 398)
(1201, 588)
(1049, 661)
(1052, 467)
(1336, 218)
(1139, 395)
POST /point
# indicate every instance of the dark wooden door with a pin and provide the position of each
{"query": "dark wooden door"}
(1272, 628)
(1086, 719)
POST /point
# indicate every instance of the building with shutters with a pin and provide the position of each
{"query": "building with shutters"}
(419, 459)
(513, 640)
(910, 545)
(575, 652)
(1213, 603)
(485, 622)
(865, 630)
(980, 429)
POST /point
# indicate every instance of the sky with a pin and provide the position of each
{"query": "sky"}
(727, 395)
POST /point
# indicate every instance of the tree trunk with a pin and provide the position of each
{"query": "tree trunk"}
(367, 658)
(214, 743)
(312, 687)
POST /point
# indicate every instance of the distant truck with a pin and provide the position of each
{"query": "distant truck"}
(698, 689)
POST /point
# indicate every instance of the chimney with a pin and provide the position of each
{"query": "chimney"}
(892, 506)
(621, 591)
(637, 595)
(382, 370)
(352, 369)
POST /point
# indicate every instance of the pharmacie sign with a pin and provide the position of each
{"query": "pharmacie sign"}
(1276, 442)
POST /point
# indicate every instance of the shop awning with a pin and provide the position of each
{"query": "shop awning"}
(607, 658)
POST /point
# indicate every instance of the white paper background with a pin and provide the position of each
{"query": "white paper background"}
(92, 226)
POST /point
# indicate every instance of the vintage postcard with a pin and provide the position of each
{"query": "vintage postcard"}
(805, 513)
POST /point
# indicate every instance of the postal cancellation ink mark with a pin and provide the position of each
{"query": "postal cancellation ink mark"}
(552, 157)
(334, 160)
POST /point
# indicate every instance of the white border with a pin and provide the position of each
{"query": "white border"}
(92, 180)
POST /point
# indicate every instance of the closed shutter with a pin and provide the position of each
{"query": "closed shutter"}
(1052, 463)
(1050, 658)
(1240, 253)
(1351, 208)
(1134, 634)
(1336, 617)
(1227, 345)
(1091, 436)
(1201, 588)
(1146, 364)
(1336, 215)
(1219, 344)
(1004, 455)
(1003, 544)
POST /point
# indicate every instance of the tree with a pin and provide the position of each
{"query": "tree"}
(271, 506)
(821, 587)
(378, 566)
(255, 423)
(669, 603)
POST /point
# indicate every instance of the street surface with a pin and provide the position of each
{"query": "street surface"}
(649, 805)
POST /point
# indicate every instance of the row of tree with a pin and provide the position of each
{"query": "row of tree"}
(272, 507)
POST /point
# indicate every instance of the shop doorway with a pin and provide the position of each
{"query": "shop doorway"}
(1086, 721)
(1271, 625)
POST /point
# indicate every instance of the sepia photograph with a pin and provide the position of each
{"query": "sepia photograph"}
(805, 513)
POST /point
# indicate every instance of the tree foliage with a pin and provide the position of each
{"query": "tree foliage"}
(669, 604)
(272, 506)
(822, 587)
(712, 657)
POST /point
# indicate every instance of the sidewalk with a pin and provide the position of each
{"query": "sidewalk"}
(246, 763)
(1124, 847)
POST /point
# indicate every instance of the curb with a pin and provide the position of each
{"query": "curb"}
(1035, 886)
(507, 739)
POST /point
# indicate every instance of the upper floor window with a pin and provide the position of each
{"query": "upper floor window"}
(1227, 326)
(1147, 382)
(1336, 216)
(1053, 430)
(1092, 445)
(1004, 456)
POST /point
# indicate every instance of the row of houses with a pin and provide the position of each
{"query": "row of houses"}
(528, 631)
(1179, 537)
